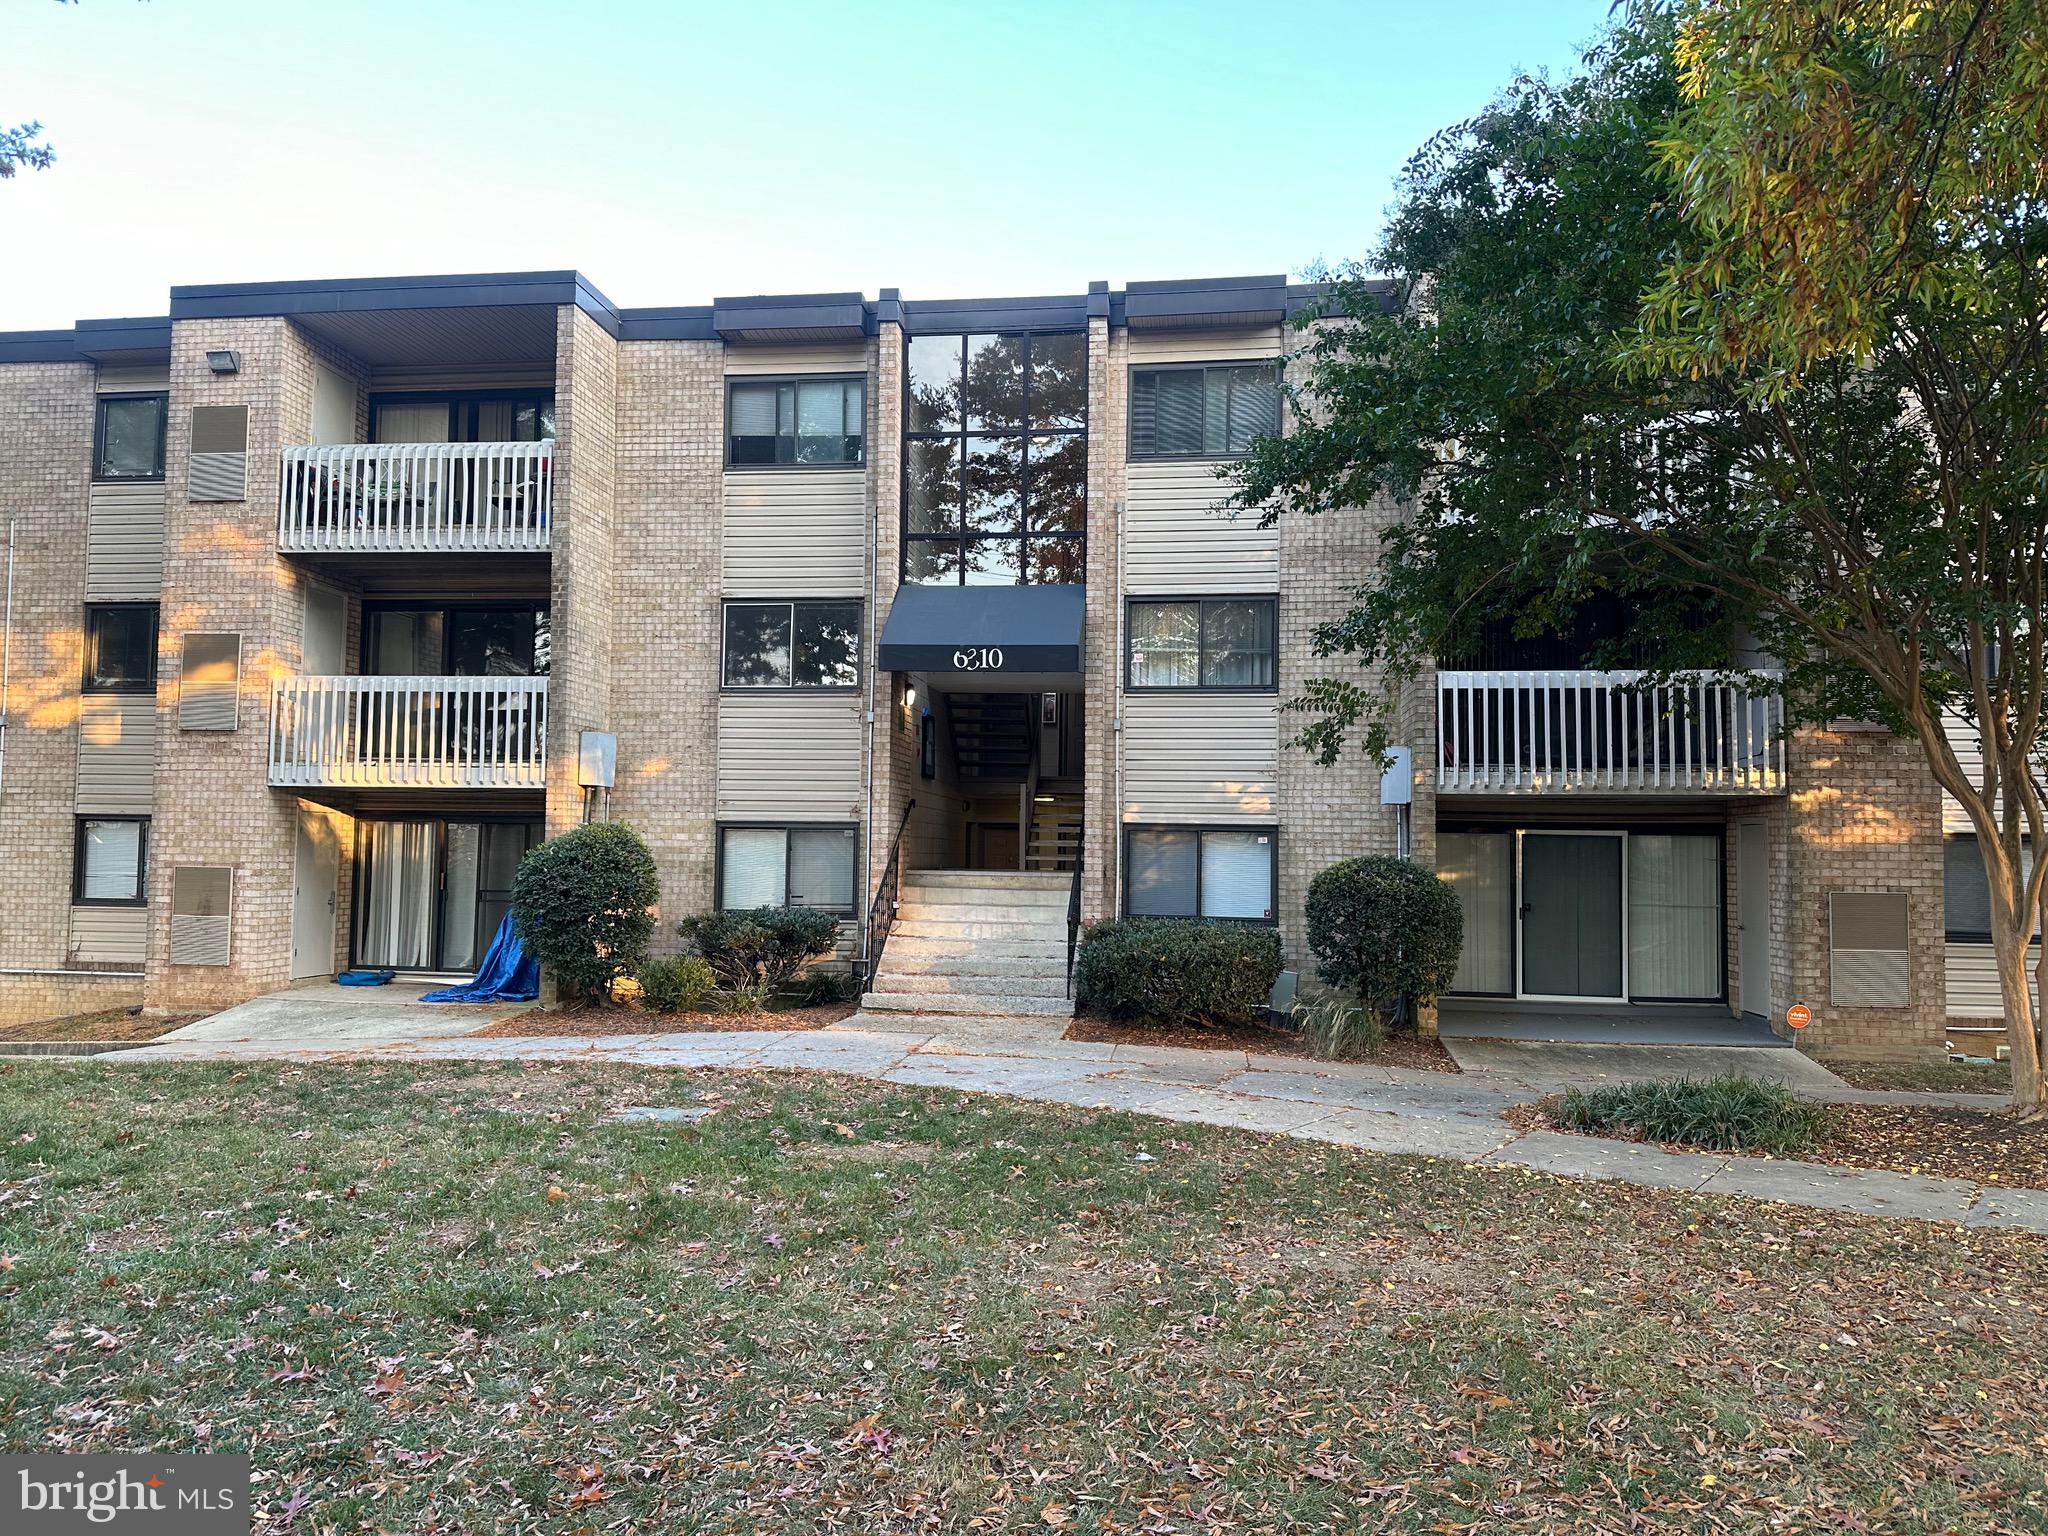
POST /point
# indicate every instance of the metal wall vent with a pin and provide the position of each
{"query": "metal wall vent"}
(209, 682)
(202, 914)
(1868, 959)
(220, 453)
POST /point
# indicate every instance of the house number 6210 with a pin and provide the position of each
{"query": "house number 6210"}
(987, 658)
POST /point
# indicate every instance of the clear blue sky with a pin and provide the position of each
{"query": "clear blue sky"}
(672, 152)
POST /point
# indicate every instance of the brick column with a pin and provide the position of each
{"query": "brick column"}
(1102, 668)
(222, 573)
(582, 596)
(894, 776)
(1864, 815)
(669, 500)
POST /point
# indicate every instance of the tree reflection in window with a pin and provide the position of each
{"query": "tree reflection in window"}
(996, 458)
(792, 645)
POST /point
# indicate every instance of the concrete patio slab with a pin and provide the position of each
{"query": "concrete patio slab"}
(1545, 1067)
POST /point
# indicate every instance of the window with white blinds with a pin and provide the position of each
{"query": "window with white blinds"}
(1212, 411)
(787, 867)
(1209, 872)
(773, 422)
(111, 863)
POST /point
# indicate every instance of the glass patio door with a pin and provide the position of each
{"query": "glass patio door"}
(1572, 905)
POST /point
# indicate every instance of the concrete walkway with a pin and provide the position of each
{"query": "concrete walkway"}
(1379, 1108)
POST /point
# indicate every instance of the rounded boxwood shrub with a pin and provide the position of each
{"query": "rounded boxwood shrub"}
(760, 949)
(675, 984)
(1178, 970)
(1382, 929)
(580, 903)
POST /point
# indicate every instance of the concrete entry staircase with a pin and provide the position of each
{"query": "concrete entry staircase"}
(977, 941)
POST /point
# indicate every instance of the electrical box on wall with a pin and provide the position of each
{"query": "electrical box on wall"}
(1397, 778)
(597, 762)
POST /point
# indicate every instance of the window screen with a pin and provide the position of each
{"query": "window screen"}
(821, 867)
(1207, 412)
(795, 421)
(112, 861)
(1237, 874)
(1162, 874)
(129, 440)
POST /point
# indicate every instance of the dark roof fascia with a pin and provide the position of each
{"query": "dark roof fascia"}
(758, 316)
(1057, 312)
(327, 296)
(689, 322)
(128, 334)
(40, 347)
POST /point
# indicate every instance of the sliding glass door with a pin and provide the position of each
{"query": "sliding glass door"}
(1588, 915)
(432, 893)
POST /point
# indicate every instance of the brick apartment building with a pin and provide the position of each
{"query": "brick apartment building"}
(317, 587)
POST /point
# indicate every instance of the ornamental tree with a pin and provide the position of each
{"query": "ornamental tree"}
(1743, 324)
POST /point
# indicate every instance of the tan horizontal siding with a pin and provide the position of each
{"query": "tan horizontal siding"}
(116, 753)
(1231, 345)
(851, 357)
(794, 533)
(1973, 991)
(108, 935)
(1969, 750)
(1200, 757)
(124, 542)
(145, 379)
(1175, 541)
(788, 757)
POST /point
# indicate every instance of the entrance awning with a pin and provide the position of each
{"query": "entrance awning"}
(1000, 638)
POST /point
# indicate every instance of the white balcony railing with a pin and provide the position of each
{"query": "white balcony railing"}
(416, 498)
(410, 732)
(1608, 733)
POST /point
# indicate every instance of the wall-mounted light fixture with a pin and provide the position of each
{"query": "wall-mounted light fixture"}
(909, 695)
(224, 361)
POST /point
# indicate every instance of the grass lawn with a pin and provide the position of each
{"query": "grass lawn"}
(1925, 1076)
(452, 1298)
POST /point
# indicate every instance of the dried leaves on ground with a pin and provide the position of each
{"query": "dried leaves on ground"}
(625, 1019)
(105, 1024)
(1925, 1076)
(460, 1297)
(1255, 1039)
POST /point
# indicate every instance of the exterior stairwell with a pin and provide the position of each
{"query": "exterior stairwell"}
(976, 941)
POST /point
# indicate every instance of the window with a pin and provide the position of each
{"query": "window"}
(1966, 890)
(120, 648)
(786, 867)
(482, 640)
(110, 866)
(523, 416)
(995, 482)
(128, 437)
(792, 645)
(1205, 412)
(1208, 642)
(795, 421)
(1200, 872)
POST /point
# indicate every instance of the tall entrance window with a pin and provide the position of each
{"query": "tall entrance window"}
(995, 482)
(466, 416)
(434, 892)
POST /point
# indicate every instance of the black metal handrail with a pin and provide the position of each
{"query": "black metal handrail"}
(888, 891)
(1073, 918)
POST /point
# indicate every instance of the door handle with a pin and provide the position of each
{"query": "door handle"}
(1526, 909)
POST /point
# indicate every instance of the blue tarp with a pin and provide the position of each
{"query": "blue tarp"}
(506, 976)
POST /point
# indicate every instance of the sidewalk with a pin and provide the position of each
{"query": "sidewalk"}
(1378, 1108)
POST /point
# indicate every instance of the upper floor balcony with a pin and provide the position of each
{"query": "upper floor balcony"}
(417, 498)
(409, 733)
(1608, 733)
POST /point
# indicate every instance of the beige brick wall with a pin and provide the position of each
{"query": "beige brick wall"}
(894, 768)
(222, 573)
(1864, 815)
(582, 616)
(46, 416)
(664, 684)
(1101, 666)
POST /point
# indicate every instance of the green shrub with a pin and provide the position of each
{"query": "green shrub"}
(675, 984)
(760, 949)
(1725, 1114)
(1178, 970)
(1337, 1029)
(580, 904)
(815, 989)
(1382, 929)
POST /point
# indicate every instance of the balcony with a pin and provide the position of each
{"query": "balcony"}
(409, 733)
(1607, 733)
(416, 499)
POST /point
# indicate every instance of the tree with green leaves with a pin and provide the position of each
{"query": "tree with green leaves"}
(1741, 325)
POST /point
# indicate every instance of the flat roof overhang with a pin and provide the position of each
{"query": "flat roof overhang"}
(995, 639)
